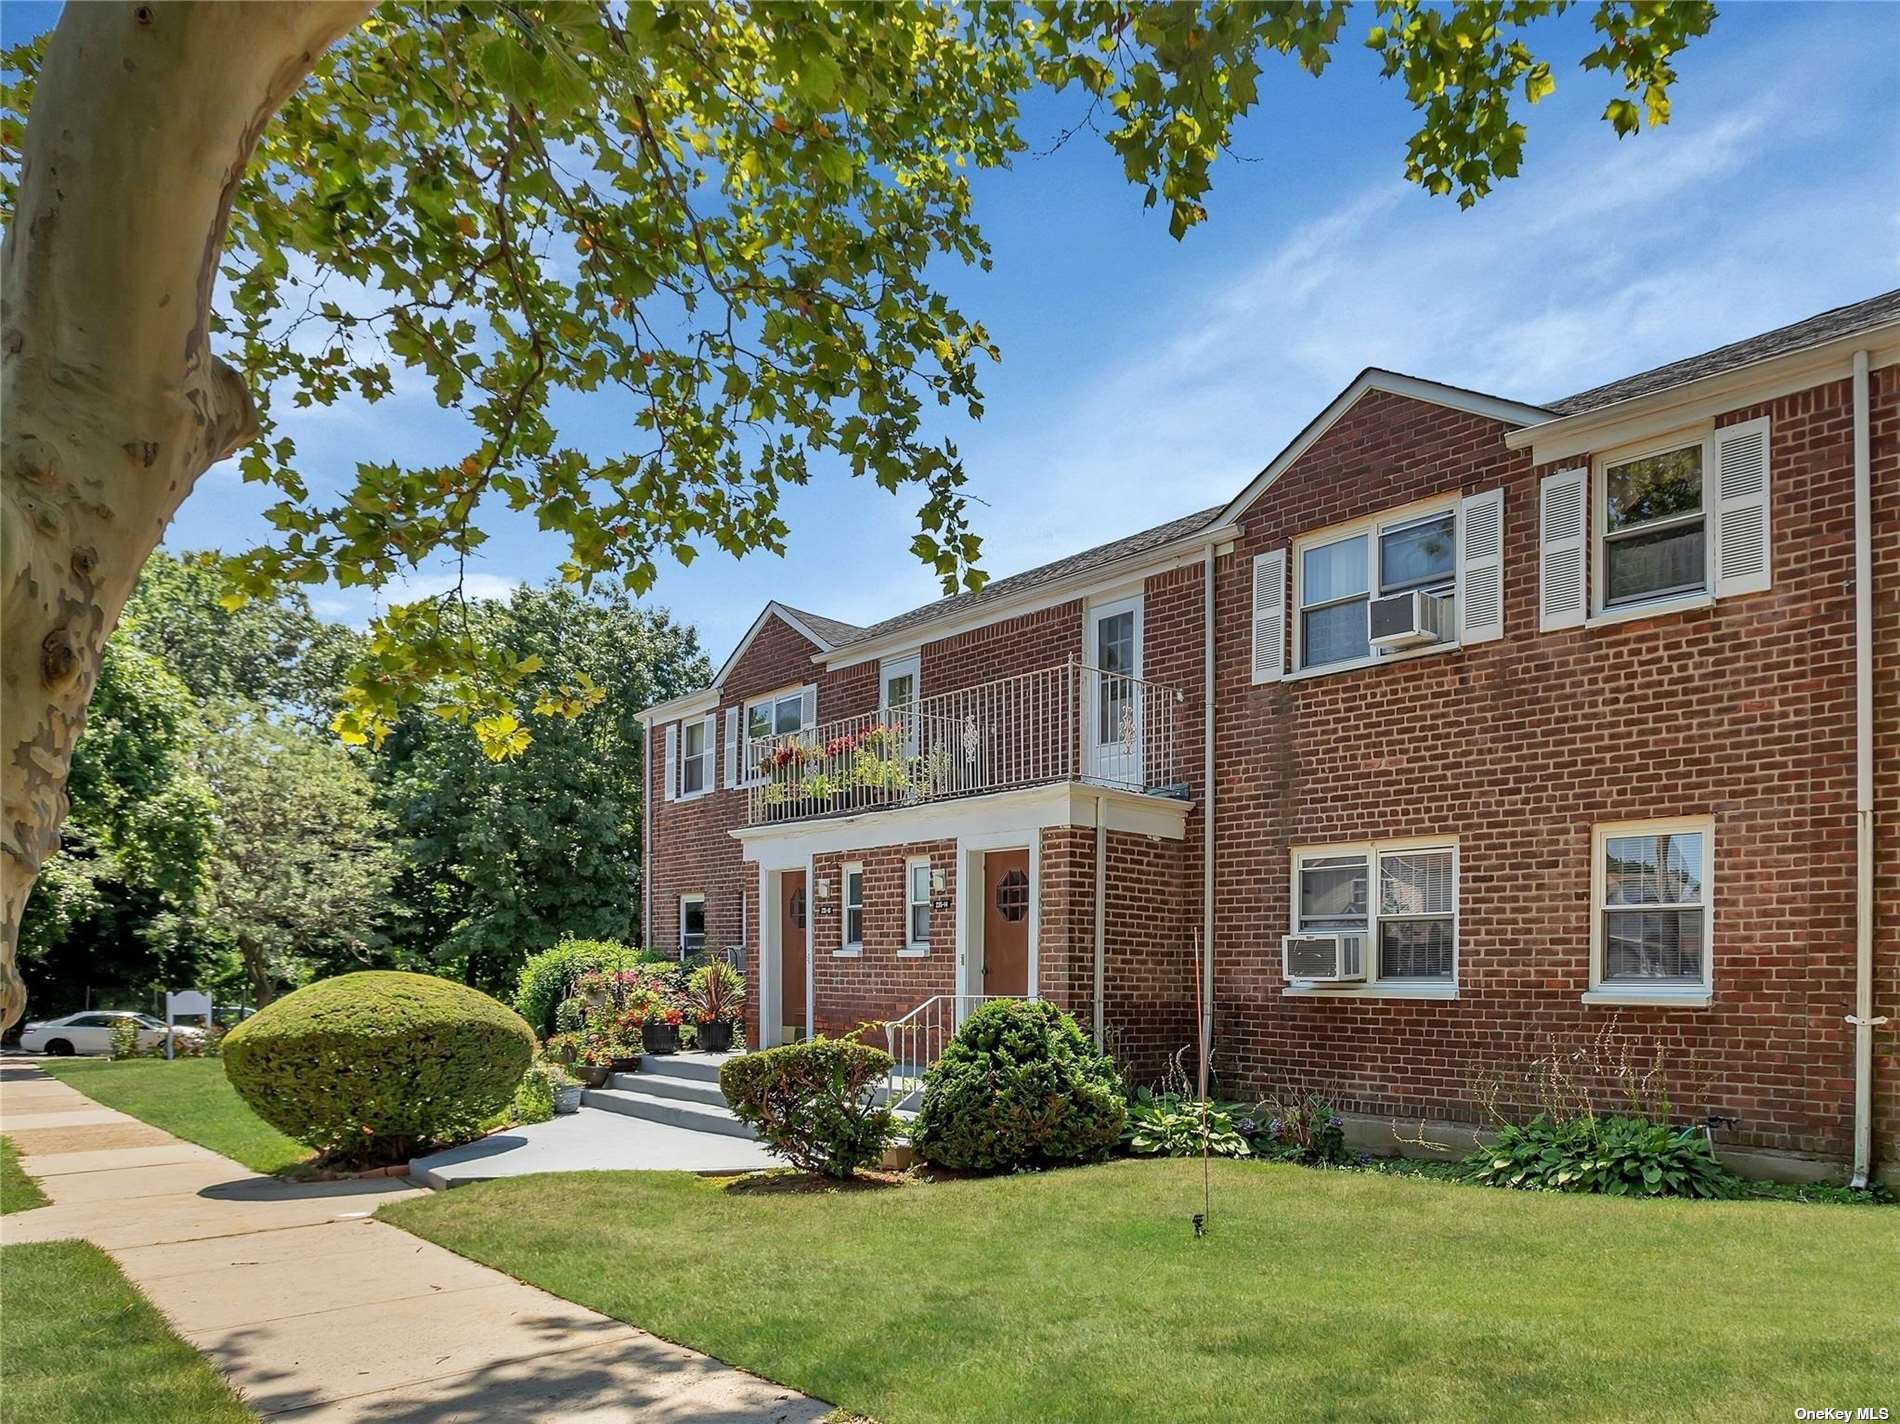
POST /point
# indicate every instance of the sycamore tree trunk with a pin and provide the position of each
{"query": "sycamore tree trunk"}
(111, 403)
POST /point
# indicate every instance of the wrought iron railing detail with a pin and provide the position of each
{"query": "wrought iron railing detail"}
(1071, 722)
(917, 1040)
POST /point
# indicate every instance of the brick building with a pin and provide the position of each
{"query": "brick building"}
(1470, 734)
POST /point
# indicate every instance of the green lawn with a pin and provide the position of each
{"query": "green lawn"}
(18, 1192)
(1081, 1295)
(82, 1346)
(189, 1098)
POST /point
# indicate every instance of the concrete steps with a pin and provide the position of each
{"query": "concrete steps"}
(680, 1089)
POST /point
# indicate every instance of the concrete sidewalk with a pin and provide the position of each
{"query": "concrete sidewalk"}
(316, 1311)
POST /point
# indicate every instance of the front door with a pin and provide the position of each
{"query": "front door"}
(1114, 694)
(1006, 892)
(793, 912)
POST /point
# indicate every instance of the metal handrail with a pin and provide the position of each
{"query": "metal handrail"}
(917, 1040)
(1070, 722)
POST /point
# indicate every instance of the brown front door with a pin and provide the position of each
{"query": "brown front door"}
(1006, 892)
(792, 917)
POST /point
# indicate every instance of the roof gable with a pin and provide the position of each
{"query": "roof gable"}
(823, 634)
(1392, 383)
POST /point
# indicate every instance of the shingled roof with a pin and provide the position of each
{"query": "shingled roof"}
(834, 631)
(1029, 579)
(1841, 321)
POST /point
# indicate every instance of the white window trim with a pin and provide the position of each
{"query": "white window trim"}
(914, 949)
(1373, 525)
(706, 933)
(707, 781)
(1601, 611)
(1374, 987)
(889, 668)
(850, 948)
(1630, 993)
(745, 728)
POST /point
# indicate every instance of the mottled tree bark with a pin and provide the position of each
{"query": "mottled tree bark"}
(144, 119)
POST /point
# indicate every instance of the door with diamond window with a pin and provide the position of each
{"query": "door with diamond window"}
(1112, 695)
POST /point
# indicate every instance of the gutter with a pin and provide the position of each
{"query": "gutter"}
(1863, 1018)
(1207, 809)
(1101, 916)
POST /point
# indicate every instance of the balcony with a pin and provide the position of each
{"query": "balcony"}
(1072, 722)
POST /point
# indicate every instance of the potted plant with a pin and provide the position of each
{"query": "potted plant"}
(717, 998)
(627, 1041)
(660, 1031)
(567, 1092)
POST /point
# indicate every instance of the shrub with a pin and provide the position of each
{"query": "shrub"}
(534, 1096)
(551, 976)
(123, 1038)
(367, 1067)
(1304, 1129)
(1019, 1085)
(812, 1103)
(1615, 1156)
(1169, 1125)
(567, 1016)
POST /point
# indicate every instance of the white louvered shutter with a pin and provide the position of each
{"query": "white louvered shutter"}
(807, 707)
(732, 748)
(1269, 616)
(1742, 553)
(1563, 531)
(1481, 568)
(709, 777)
(672, 761)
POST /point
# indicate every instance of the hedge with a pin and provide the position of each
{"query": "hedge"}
(812, 1102)
(369, 1067)
(549, 976)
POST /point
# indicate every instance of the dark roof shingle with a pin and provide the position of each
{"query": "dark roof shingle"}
(1029, 579)
(1841, 321)
(834, 631)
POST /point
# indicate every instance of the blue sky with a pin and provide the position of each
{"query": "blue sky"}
(1144, 378)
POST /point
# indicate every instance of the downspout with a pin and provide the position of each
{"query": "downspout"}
(1863, 1018)
(646, 834)
(1101, 912)
(1207, 800)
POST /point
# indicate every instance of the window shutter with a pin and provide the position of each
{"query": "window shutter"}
(1563, 525)
(709, 778)
(732, 748)
(807, 707)
(1742, 558)
(1481, 568)
(672, 761)
(1269, 616)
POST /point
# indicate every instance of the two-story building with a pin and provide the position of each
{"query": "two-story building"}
(1468, 730)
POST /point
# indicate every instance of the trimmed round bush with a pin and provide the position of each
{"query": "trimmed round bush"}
(368, 1067)
(813, 1102)
(1020, 1085)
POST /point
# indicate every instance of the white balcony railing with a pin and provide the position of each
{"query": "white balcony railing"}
(1071, 722)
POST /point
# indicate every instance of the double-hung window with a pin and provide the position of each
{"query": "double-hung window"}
(1338, 579)
(696, 757)
(1402, 896)
(692, 924)
(853, 908)
(1655, 527)
(769, 717)
(917, 906)
(1652, 908)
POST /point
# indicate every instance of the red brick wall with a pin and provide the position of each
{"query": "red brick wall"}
(1741, 711)
(881, 982)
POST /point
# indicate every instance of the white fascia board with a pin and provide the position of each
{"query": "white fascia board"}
(1077, 586)
(777, 610)
(997, 817)
(690, 704)
(1658, 413)
(1510, 412)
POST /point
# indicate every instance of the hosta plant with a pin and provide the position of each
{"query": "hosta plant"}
(1614, 1156)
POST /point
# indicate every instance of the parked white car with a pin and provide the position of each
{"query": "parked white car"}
(91, 1032)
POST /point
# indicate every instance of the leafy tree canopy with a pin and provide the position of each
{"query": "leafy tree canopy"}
(721, 217)
(504, 858)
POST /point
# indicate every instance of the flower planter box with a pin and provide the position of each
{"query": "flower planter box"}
(567, 1099)
(715, 1037)
(660, 1038)
(592, 1075)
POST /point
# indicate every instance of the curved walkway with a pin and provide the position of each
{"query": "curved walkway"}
(317, 1312)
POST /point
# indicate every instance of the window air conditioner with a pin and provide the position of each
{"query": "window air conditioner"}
(1411, 619)
(1324, 958)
